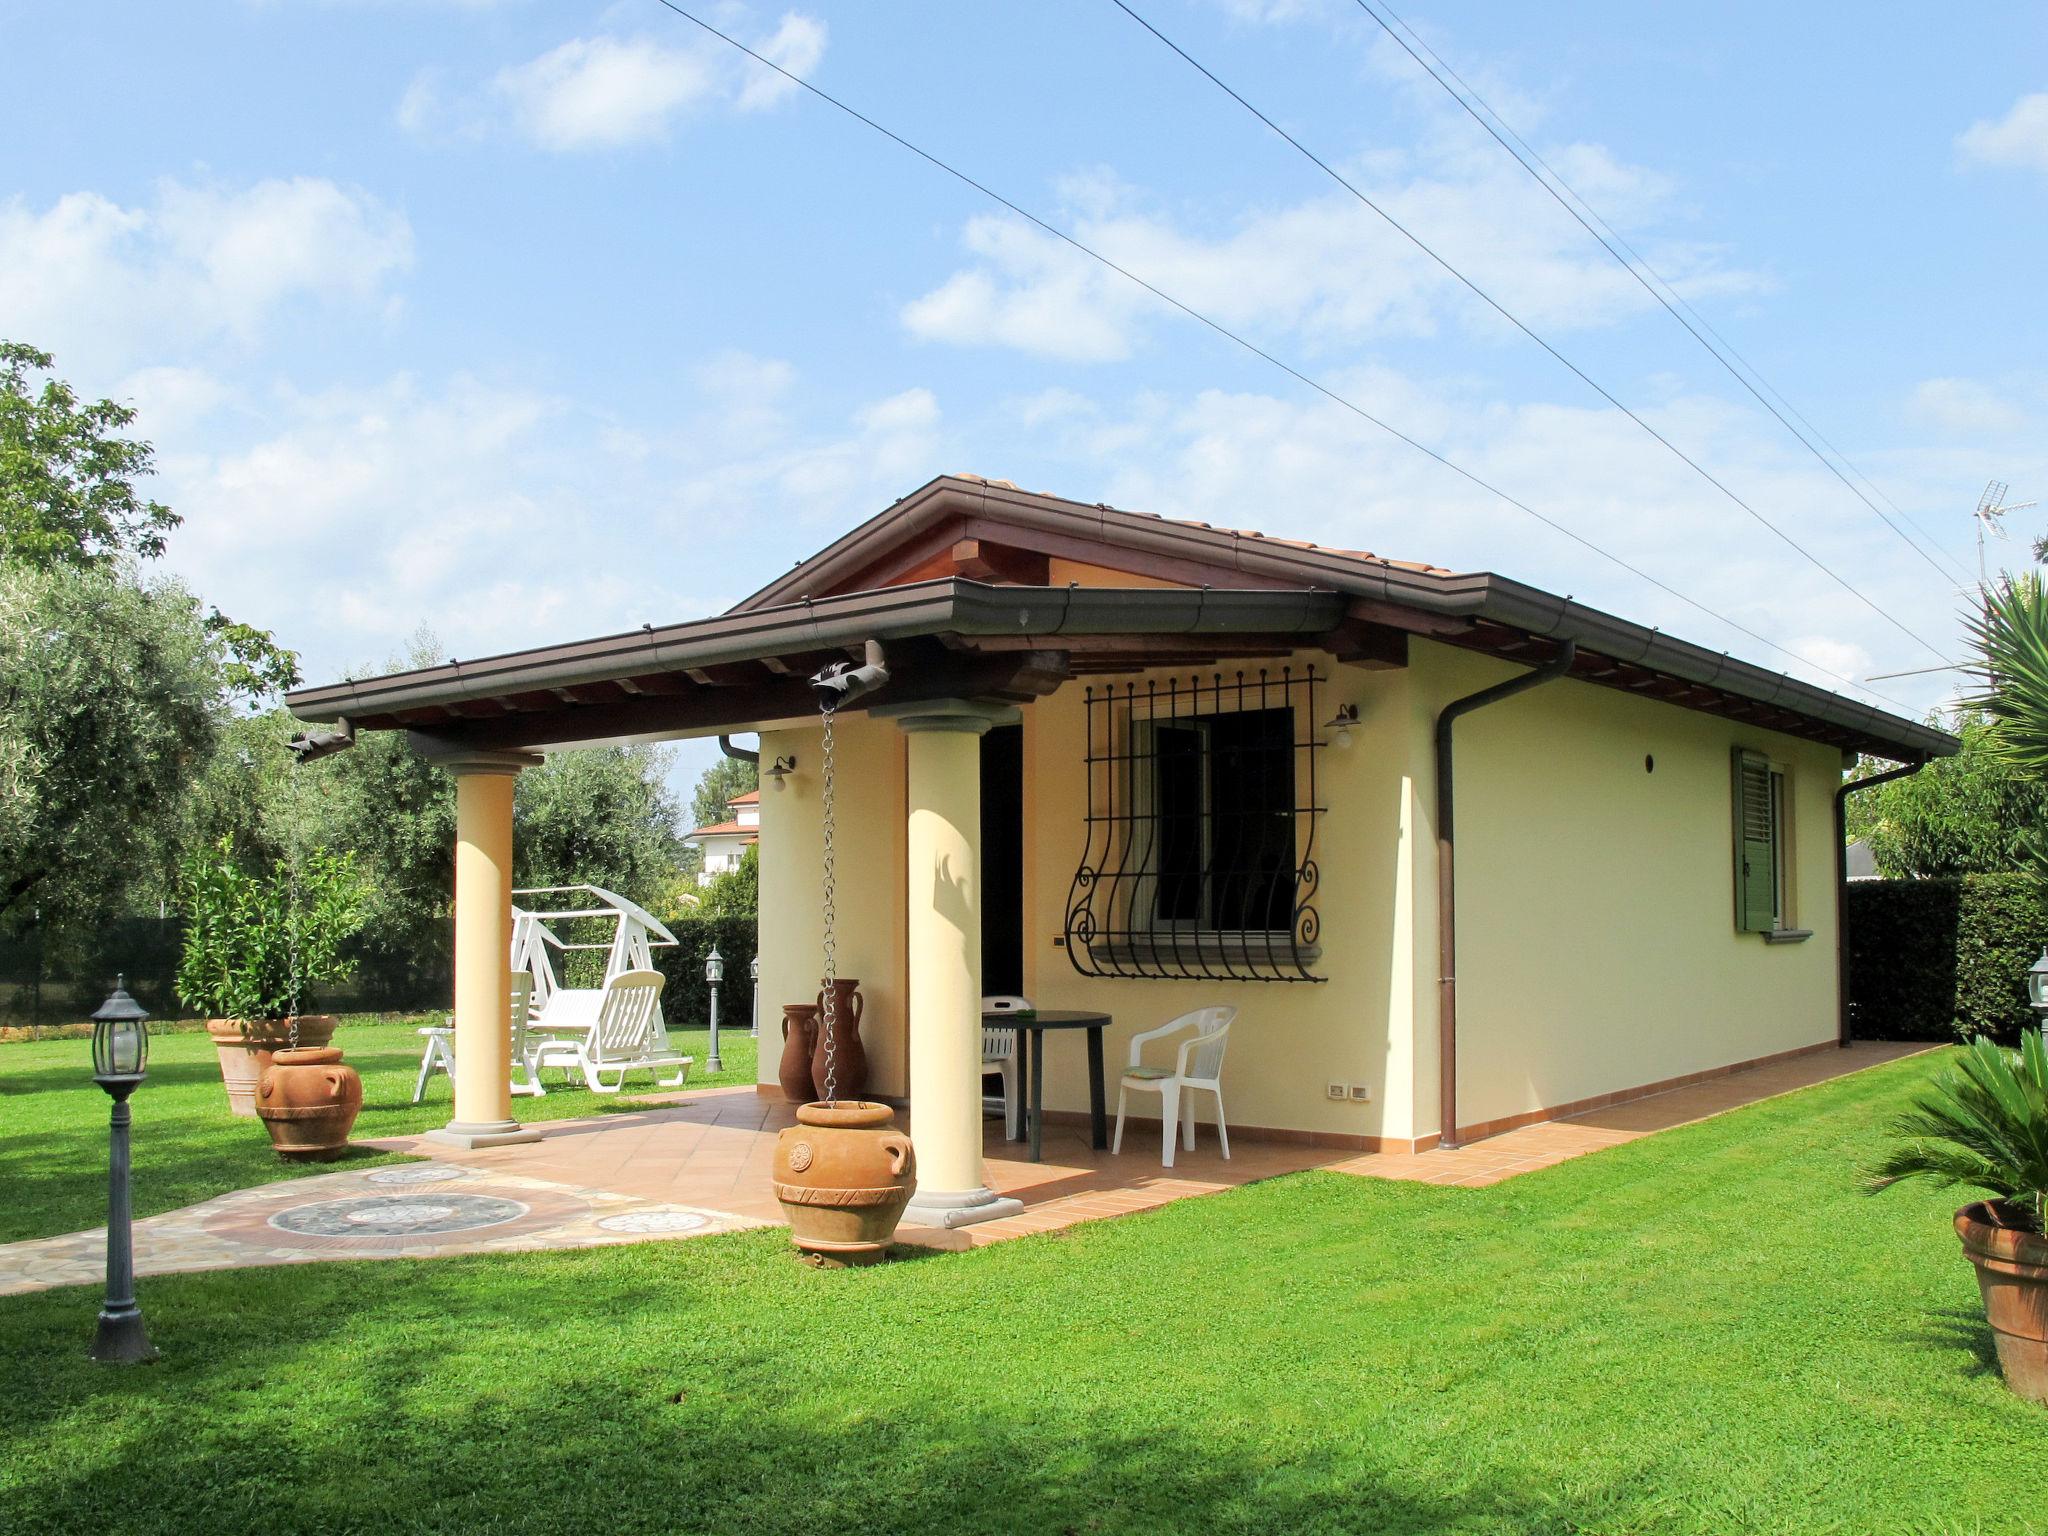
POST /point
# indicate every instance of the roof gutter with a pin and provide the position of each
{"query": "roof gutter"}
(1447, 876)
(1842, 794)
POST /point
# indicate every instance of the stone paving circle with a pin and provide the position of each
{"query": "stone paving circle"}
(398, 1215)
(417, 1173)
(653, 1221)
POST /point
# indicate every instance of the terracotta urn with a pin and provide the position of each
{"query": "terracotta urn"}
(844, 1173)
(307, 1101)
(799, 1037)
(245, 1048)
(2012, 1274)
(849, 1056)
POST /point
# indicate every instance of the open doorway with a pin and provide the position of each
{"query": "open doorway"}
(1002, 861)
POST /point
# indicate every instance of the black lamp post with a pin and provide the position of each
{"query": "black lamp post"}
(2037, 985)
(714, 973)
(120, 1060)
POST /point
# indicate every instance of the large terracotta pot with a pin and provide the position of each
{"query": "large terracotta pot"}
(799, 1037)
(245, 1047)
(307, 1101)
(2012, 1273)
(844, 1173)
(849, 1057)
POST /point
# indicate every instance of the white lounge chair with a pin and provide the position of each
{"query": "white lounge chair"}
(626, 1037)
(439, 1056)
(1198, 1067)
(999, 1055)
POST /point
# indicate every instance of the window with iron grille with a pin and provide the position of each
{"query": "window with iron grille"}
(1201, 820)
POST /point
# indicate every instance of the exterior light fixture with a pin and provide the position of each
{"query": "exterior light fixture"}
(120, 1061)
(754, 997)
(1341, 725)
(2037, 983)
(714, 973)
(778, 772)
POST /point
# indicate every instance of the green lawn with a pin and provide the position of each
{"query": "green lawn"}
(53, 1120)
(1709, 1331)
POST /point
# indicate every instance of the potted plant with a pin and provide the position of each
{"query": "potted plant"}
(256, 944)
(1984, 1125)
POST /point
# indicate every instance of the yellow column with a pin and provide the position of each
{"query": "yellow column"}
(483, 925)
(944, 892)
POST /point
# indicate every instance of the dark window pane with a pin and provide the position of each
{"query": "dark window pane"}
(1177, 757)
(1251, 866)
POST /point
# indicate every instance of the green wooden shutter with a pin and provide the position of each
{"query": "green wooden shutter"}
(1756, 854)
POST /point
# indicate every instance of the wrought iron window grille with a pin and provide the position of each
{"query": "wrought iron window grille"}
(1199, 862)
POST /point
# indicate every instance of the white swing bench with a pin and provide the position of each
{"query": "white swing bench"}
(602, 1032)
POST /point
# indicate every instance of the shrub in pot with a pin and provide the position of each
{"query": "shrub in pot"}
(1984, 1125)
(256, 943)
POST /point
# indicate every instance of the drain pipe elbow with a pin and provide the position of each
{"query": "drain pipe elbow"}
(738, 754)
(841, 683)
(1447, 875)
(309, 745)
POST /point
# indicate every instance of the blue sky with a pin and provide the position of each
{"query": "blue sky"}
(522, 322)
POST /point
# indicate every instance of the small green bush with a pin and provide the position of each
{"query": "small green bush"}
(1937, 959)
(258, 942)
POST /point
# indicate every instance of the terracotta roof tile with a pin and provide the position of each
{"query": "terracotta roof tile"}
(724, 829)
(1365, 556)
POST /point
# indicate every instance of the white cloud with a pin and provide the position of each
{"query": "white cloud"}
(602, 91)
(606, 91)
(798, 45)
(1965, 407)
(2020, 138)
(107, 287)
(504, 516)
(1328, 268)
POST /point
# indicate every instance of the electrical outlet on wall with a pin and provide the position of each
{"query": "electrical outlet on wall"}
(1336, 1091)
(1361, 1093)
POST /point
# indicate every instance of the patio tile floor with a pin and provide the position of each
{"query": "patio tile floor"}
(699, 1163)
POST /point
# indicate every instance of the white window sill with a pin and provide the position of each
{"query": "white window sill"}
(1788, 935)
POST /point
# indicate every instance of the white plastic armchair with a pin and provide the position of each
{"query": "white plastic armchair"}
(999, 1054)
(439, 1056)
(1198, 1068)
(626, 1037)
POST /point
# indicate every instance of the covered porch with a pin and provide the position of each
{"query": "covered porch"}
(950, 660)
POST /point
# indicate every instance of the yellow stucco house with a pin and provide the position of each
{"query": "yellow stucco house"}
(1465, 855)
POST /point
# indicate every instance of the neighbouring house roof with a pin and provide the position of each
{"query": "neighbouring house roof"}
(956, 579)
(1858, 862)
(751, 797)
(727, 829)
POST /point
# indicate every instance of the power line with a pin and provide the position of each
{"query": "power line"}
(1500, 309)
(1630, 263)
(1285, 367)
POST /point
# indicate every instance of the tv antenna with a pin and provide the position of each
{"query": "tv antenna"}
(1990, 514)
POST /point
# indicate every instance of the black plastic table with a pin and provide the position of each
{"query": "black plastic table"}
(1031, 1067)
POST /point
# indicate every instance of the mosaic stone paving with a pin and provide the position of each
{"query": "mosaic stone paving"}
(399, 1215)
(416, 1210)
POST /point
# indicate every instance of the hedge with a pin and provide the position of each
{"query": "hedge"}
(1938, 959)
(42, 991)
(686, 999)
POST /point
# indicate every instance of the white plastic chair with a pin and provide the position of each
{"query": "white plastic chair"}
(439, 1056)
(627, 1037)
(999, 1054)
(1199, 1067)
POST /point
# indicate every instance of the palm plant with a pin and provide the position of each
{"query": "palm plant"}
(1982, 1124)
(2010, 633)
